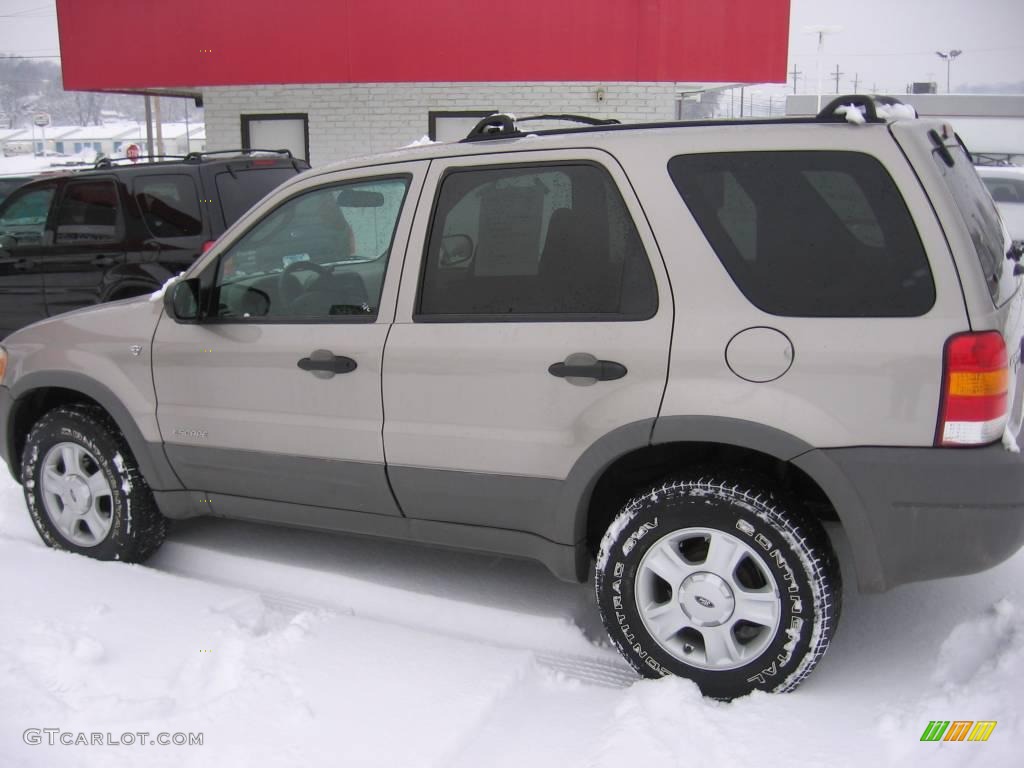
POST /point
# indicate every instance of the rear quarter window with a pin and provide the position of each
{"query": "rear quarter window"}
(980, 217)
(240, 190)
(809, 233)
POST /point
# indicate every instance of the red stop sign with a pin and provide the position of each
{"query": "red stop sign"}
(132, 152)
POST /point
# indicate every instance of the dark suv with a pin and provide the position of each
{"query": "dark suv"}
(121, 230)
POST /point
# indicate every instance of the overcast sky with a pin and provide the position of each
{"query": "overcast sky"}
(886, 43)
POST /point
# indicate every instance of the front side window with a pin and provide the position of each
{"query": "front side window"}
(545, 242)
(321, 255)
(170, 205)
(809, 234)
(87, 213)
(24, 216)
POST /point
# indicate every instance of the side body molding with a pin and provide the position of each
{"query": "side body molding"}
(150, 456)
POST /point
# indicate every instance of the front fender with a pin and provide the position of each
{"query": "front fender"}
(150, 455)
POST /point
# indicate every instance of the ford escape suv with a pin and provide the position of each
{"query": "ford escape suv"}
(70, 240)
(683, 356)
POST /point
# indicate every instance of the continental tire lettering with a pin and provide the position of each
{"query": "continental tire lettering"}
(763, 541)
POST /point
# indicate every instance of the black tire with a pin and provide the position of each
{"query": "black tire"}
(786, 561)
(136, 527)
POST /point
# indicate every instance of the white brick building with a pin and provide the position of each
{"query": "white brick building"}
(352, 119)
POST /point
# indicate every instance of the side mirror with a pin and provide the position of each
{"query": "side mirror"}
(181, 301)
(456, 250)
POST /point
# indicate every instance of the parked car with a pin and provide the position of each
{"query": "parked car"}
(688, 356)
(1006, 185)
(71, 240)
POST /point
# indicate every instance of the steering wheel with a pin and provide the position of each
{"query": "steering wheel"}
(289, 287)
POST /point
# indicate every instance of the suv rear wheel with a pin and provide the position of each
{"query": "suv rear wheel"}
(84, 490)
(716, 581)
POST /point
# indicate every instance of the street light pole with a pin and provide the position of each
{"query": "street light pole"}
(948, 56)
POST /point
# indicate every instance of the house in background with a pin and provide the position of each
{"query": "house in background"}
(110, 140)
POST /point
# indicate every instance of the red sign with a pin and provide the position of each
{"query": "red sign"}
(132, 152)
(356, 41)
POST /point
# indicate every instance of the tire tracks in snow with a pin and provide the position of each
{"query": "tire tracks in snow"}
(325, 592)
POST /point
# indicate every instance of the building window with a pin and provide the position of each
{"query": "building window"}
(280, 131)
(454, 126)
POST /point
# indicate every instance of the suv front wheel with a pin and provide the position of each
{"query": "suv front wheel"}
(715, 581)
(84, 490)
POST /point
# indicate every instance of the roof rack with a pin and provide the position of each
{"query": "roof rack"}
(502, 125)
(869, 105)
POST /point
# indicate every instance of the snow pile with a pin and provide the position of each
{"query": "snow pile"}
(158, 294)
(854, 114)
(422, 141)
(896, 112)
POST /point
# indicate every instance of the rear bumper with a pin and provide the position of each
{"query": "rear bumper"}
(913, 514)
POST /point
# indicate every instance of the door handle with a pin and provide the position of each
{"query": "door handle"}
(21, 265)
(104, 261)
(324, 364)
(581, 365)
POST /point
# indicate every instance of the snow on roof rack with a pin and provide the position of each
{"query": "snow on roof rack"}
(861, 108)
(502, 125)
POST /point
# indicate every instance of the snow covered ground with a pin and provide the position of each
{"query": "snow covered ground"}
(293, 648)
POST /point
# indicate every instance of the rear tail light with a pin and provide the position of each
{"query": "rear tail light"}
(975, 381)
(208, 245)
(263, 162)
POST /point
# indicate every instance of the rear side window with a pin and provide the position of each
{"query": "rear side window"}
(547, 242)
(977, 211)
(809, 234)
(169, 205)
(241, 190)
(87, 213)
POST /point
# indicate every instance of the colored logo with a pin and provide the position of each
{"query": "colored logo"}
(958, 730)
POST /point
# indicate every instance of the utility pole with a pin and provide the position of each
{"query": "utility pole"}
(856, 82)
(836, 77)
(796, 75)
(821, 30)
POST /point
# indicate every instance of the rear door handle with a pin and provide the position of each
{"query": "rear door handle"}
(585, 366)
(104, 261)
(324, 364)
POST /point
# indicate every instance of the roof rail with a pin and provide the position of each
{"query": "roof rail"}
(109, 162)
(867, 103)
(197, 156)
(502, 125)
